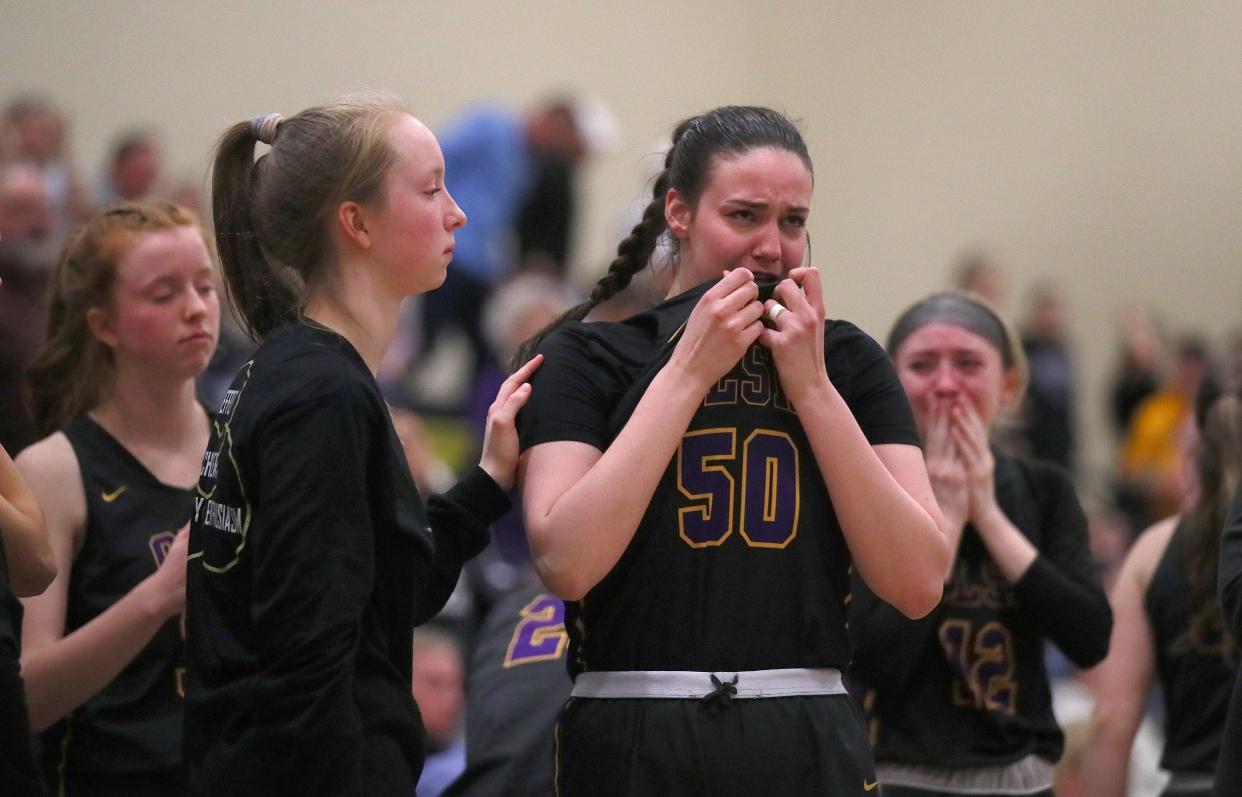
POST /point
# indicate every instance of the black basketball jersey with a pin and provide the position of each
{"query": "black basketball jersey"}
(966, 685)
(1193, 671)
(133, 726)
(516, 688)
(739, 562)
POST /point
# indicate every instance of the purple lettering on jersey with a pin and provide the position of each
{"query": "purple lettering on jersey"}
(703, 478)
(723, 392)
(770, 489)
(540, 632)
(983, 663)
(770, 492)
(159, 544)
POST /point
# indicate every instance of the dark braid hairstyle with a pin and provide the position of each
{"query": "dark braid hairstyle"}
(697, 143)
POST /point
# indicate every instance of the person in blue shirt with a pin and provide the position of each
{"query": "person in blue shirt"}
(513, 175)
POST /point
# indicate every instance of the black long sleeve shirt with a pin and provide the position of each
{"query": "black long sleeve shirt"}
(965, 686)
(311, 560)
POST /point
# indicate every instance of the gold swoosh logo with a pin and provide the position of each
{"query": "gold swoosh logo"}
(115, 494)
(870, 786)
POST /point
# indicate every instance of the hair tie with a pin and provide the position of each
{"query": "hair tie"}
(264, 127)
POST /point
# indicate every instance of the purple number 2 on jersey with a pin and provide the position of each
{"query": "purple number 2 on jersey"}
(540, 633)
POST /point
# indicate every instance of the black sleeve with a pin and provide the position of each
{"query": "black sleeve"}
(1061, 590)
(459, 520)
(313, 572)
(1230, 569)
(887, 644)
(569, 397)
(862, 372)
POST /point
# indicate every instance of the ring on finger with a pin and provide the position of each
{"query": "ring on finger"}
(775, 310)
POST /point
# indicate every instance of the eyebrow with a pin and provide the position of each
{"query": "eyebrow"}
(951, 353)
(753, 205)
(174, 279)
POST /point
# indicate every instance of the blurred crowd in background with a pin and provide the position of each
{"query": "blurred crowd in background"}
(513, 172)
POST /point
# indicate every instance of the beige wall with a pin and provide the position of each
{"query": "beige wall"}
(1096, 142)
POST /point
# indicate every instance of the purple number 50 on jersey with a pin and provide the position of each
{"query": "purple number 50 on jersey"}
(769, 477)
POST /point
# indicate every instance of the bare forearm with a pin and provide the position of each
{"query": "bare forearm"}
(1008, 547)
(953, 541)
(895, 540)
(32, 565)
(63, 674)
(1106, 760)
(579, 539)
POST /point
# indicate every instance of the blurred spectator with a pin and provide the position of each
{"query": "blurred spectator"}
(521, 307)
(25, 265)
(513, 175)
(1048, 411)
(1138, 370)
(133, 169)
(518, 683)
(545, 220)
(34, 131)
(1109, 535)
(1231, 361)
(977, 271)
(439, 688)
(232, 352)
(1152, 468)
(517, 310)
(190, 193)
(430, 473)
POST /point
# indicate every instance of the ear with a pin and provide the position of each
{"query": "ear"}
(1011, 390)
(100, 323)
(677, 214)
(351, 222)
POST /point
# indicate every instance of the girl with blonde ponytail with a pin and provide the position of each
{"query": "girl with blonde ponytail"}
(312, 556)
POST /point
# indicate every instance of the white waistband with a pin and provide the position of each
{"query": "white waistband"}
(692, 685)
(1188, 781)
(1029, 775)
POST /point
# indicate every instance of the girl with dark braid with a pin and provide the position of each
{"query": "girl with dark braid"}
(697, 484)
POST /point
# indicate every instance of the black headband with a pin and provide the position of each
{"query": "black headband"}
(957, 310)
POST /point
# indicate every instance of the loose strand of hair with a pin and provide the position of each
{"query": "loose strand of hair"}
(1219, 461)
(63, 376)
